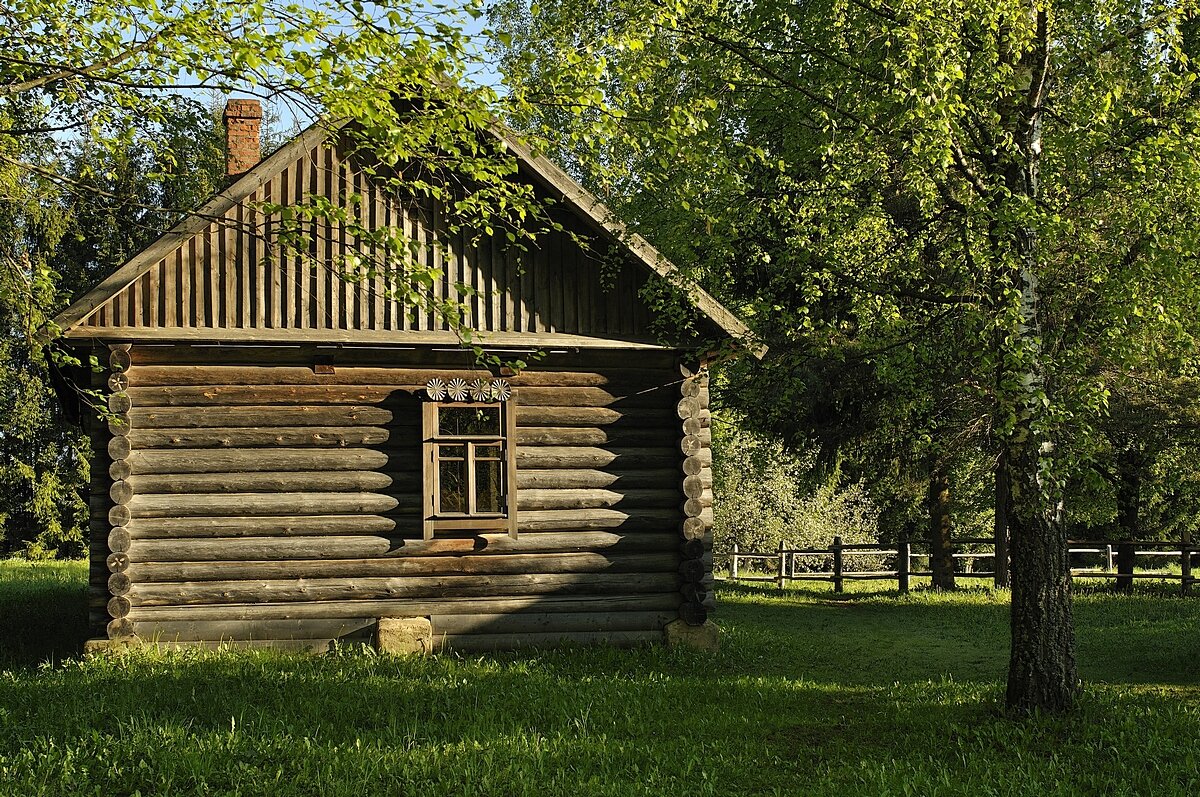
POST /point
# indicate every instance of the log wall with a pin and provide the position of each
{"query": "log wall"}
(248, 497)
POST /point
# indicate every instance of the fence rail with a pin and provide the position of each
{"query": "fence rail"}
(1118, 562)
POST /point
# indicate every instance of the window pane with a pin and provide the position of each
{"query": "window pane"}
(462, 421)
(452, 451)
(489, 487)
(487, 452)
(452, 486)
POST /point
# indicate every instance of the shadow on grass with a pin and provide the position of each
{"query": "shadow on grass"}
(812, 693)
(646, 721)
(43, 612)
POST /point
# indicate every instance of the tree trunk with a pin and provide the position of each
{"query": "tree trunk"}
(940, 545)
(1041, 670)
(1000, 524)
(1129, 491)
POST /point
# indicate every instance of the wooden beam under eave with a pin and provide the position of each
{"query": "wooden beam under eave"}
(355, 337)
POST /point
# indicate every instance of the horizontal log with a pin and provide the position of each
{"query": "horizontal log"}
(119, 493)
(119, 583)
(117, 383)
(117, 607)
(482, 643)
(119, 540)
(398, 355)
(358, 629)
(693, 613)
(545, 457)
(595, 499)
(550, 622)
(373, 382)
(211, 366)
(698, 485)
(120, 628)
(574, 479)
(243, 504)
(664, 436)
(261, 526)
(271, 416)
(591, 397)
(242, 461)
(367, 547)
(118, 357)
(394, 567)
(119, 403)
(549, 415)
(599, 519)
(270, 481)
(665, 601)
(695, 528)
(239, 437)
(299, 646)
(119, 447)
(441, 587)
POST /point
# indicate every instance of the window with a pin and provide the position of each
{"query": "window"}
(469, 472)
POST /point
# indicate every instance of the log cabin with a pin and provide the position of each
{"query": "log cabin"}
(291, 458)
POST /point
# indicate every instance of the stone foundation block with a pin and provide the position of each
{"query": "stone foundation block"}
(705, 637)
(404, 635)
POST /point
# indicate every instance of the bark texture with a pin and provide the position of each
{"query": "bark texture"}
(940, 530)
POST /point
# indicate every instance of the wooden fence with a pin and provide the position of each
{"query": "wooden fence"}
(1117, 558)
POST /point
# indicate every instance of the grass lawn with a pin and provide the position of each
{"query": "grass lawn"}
(866, 694)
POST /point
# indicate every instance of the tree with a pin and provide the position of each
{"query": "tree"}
(99, 101)
(1047, 156)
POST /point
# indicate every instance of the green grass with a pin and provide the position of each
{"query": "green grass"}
(870, 693)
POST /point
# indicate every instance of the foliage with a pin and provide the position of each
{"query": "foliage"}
(842, 695)
(121, 197)
(767, 495)
(42, 458)
(122, 81)
(106, 134)
(991, 205)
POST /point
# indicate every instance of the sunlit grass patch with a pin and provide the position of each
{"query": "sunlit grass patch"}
(812, 693)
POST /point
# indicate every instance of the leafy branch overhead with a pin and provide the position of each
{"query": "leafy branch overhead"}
(979, 211)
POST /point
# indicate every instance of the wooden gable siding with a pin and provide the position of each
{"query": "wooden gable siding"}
(233, 275)
(245, 497)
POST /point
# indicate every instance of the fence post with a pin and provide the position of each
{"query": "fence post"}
(837, 564)
(1108, 556)
(782, 568)
(733, 567)
(903, 554)
(1185, 564)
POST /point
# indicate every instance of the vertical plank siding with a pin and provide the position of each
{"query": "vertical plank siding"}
(258, 500)
(235, 274)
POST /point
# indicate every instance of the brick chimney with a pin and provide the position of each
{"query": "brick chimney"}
(242, 119)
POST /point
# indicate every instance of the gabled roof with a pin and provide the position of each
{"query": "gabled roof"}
(80, 319)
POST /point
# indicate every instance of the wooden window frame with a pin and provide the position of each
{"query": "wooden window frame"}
(433, 519)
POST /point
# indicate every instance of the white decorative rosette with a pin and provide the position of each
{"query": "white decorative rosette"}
(501, 390)
(436, 389)
(458, 389)
(481, 390)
